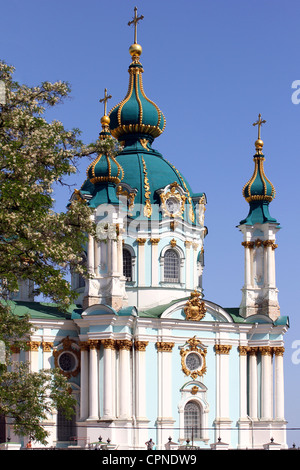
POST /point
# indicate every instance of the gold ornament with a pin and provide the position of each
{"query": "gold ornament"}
(194, 308)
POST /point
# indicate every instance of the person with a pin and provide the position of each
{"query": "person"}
(150, 444)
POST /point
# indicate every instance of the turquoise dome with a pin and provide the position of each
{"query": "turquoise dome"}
(259, 188)
(136, 114)
(259, 192)
(104, 169)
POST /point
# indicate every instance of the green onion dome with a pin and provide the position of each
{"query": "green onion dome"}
(259, 188)
(105, 168)
(136, 114)
(258, 191)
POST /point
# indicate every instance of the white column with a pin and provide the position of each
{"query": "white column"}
(248, 261)
(154, 261)
(279, 383)
(188, 284)
(141, 261)
(124, 379)
(164, 420)
(91, 254)
(96, 257)
(108, 395)
(194, 281)
(93, 381)
(266, 385)
(34, 355)
(222, 421)
(47, 354)
(84, 381)
(243, 381)
(140, 379)
(253, 396)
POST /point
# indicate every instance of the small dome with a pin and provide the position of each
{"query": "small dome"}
(259, 188)
(105, 169)
(136, 114)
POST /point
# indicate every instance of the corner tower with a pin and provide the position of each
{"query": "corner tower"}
(259, 293)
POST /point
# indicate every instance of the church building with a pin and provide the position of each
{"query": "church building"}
(146, 354)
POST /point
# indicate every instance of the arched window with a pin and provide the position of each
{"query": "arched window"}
(127, 265)
(171, 266)
(66, 428)
(192, 420)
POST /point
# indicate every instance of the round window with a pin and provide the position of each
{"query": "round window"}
(67, 361)
(193, 361)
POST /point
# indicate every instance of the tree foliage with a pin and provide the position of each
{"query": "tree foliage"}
(37, 243)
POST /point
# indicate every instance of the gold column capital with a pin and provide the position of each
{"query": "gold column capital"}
(84, 345)
(164, 346)
(93, 344)
(253, 351)
(141, 345)
(154, 241)
(108, 343)
(124, 344)
(47, 346)
(278, 350)
(243, 350)
(33, 345)
(266, 350)
(141, 241)
(222, 348)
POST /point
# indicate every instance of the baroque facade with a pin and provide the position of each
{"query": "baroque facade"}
(147, 356)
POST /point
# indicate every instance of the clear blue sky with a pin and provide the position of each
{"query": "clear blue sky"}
(211, 66)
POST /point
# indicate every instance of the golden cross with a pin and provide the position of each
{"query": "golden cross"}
(135, 21)
(259, 123)
(105, 99)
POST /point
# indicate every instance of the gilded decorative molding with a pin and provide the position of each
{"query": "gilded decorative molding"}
(173, 242)
(124, 344)
(154, 241)
(243, 350)
(194, 308)
(67, 346)
(258, 243)
(93, 344)
(164, 346)
(129, 195)
(141, 241)
(148, 207)
(193, 345)
(47, 346)
(84, 345)
(222, 348)
(278, 350)
(141, 345)
(249, 245)
(253, 351)
(191, 209)
(194, 390)
(108, 343)
(266, 350)
(144, 143)
(177, 201)
(33, 345)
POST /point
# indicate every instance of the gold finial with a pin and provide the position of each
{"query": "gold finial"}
(105, 120)
(104, 100)
(135, 21)
(259, 143)
(135, 49)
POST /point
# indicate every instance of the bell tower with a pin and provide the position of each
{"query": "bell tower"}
(259, 293)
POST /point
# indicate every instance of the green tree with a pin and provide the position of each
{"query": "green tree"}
(36, 242)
